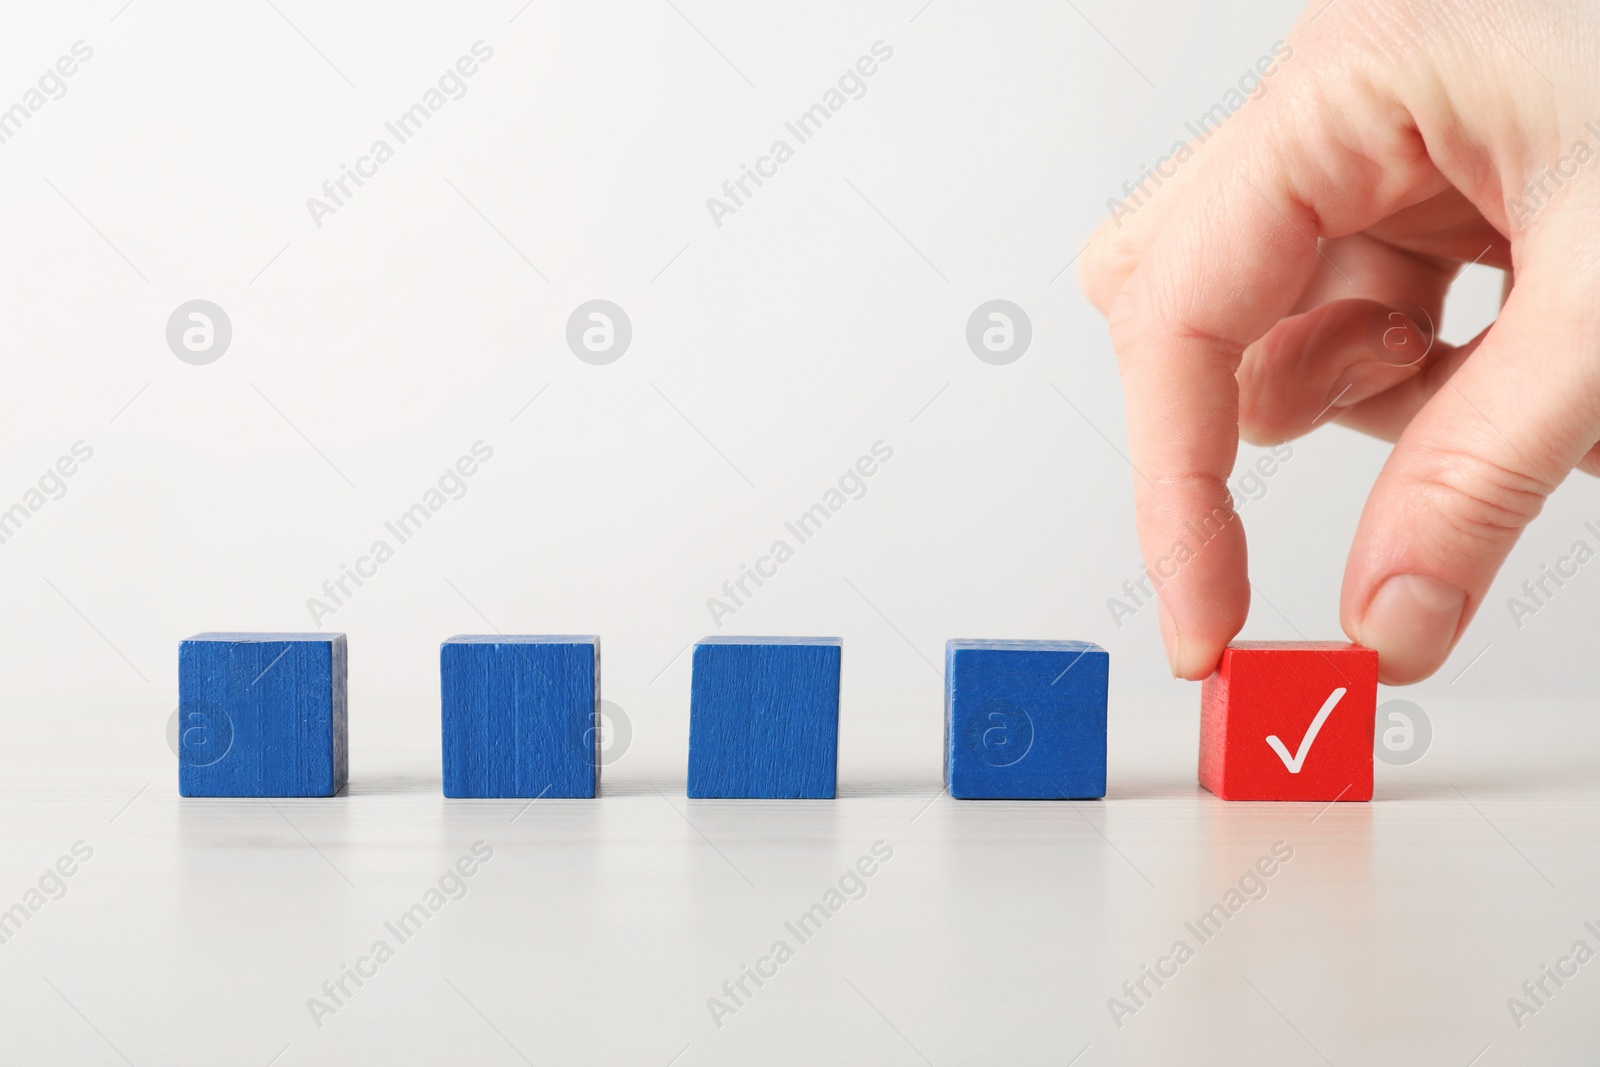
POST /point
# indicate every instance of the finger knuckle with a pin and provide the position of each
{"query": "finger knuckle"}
(1481, 499)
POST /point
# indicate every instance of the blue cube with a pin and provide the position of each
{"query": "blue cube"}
(1025, 720)
(764, 717)
(520, 716)
(262, 715)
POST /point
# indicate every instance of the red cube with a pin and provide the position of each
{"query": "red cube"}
(1289, 720)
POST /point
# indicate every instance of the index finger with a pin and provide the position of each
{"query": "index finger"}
(1231, 262)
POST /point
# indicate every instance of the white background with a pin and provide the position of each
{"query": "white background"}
(767, 356)
(793, 338)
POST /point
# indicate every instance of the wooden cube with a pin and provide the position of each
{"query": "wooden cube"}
(520, 716)
(262, 715)
(1289, 720)
(1025, 720)
(764, 717)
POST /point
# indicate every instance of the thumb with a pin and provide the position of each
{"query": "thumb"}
(1476, 464)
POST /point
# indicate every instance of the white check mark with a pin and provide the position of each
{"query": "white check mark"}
(1298, 760)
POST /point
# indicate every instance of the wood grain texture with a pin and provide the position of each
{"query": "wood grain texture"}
(1025, 720)
(262, 715)
(1275, 689)
(520, 716)
(764, 718)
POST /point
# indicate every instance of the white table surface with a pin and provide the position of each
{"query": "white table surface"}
(996, 934)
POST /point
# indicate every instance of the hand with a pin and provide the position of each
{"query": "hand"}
(1255, 293)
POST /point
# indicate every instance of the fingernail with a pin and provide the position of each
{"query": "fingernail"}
(1170, 638)
(1412, 623)
(1360, 381)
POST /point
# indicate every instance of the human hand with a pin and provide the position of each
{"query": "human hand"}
(1254, 295)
